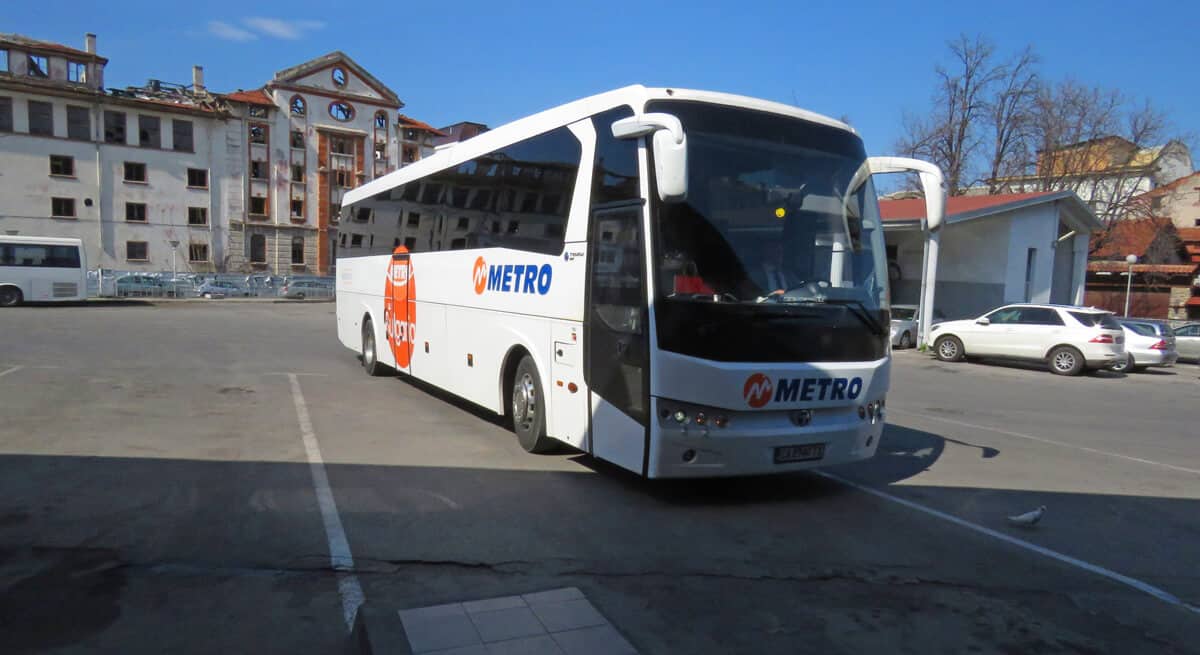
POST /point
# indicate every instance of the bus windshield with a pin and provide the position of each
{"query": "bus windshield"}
(771, 226)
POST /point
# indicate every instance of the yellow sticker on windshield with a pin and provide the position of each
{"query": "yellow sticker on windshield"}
(780, 212)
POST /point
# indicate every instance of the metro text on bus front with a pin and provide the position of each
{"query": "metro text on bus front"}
(683, 283)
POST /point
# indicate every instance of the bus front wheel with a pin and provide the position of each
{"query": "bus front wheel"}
(529, 408)
(10, 297)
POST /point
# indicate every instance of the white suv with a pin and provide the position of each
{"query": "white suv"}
(1069, 339)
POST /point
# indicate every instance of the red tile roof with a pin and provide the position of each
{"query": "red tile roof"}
(419, 125)
(1121, 267)
(1194, 177)
(914, 208)
(1126, 237)
(255, 97)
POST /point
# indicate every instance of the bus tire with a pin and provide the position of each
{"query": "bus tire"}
(529, 408)
(370, 361)
(10, 297)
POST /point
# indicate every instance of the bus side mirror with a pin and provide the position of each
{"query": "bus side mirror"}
(932, 184)
(670, 150)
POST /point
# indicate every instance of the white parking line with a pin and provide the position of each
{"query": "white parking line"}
(10, 370)
(1143, 587)
(339, 548)
(1062, 444)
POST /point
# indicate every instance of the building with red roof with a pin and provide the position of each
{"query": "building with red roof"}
(1018, 247)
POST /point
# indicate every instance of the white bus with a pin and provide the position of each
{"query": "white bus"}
(683, 283)
(41, 269)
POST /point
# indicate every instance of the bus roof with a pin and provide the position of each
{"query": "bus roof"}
(49, 241)
(635, 95)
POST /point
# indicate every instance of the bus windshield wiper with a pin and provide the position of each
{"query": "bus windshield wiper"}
(859, 309)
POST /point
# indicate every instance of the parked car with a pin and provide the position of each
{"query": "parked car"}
(905, 319)
(1187, 342)
(1147, 343)
(137, 285)
(221, 289)
(1069, 339)
(302, 289)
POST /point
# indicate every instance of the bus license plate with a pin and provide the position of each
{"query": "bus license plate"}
(805, 453)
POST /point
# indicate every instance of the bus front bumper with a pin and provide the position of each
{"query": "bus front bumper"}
(760, 443)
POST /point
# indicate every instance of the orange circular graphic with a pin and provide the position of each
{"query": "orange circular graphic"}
(757, 390)
(400, 309)
(479, 275)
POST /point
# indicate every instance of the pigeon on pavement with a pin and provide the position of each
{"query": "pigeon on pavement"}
(1028, 518)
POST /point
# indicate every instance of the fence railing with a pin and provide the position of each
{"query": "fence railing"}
(111, 283)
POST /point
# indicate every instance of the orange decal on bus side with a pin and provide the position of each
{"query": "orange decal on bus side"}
(400, 308)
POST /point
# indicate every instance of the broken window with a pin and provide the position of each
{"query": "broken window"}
(62, 207)
(258, 133)
(297, 250)
(198, 252)
(298, 106)
(149, 132)
(297, 139)
(297, 208)
(62, 165)
(258, 205)
(414, 219)
(341, 111)
(41, 118)
(3, 61)
(79, 123)
(76, 72)
(197, 215)
(343, 178)
(258, 170)
(114, 127)
(197, 178)
(38, 66)
(137, 251)
(257, 111)
(381, 119)
(135, 211)
(135, 171)
(258, 249)
(339, 77)
(181, 135)
(297, 172)
(464, 223)
(6, 115)
(355, 240)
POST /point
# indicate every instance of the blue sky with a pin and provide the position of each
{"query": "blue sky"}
(496, 61)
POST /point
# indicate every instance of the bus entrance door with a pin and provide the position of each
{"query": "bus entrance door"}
(616, 364)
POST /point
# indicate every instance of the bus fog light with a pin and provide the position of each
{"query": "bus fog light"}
(720, 421)
(701, 418)
(665, 412)
(689, 456)
(680, 416)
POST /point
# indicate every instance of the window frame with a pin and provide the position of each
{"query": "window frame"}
(44, 67)
(131, 207)
(259, 239)
(87, 114)
(202, 211)
(145, 178)
(113, 125)
(298, 240)
(29, 105)
(70, 203)
(177, 133)
(149, 131)
(302, 105)
(145, 245)
(78, 67)
(6, 113)
(250, 208)
(350, 111)
(63, 158)
(203, 171)
(192, 245)
(333, 77)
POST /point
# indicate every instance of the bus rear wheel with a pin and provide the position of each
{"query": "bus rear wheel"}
(529, 408)
(10, 297)
(369, 359)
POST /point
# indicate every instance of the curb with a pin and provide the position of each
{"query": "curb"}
(377, 632)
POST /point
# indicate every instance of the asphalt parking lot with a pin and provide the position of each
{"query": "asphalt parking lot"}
(157, 495)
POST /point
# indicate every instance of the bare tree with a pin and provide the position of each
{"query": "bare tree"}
(949, 135)
(1095, 142)
(1010, 112)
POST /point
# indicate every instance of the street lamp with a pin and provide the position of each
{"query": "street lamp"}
(1131, 260)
